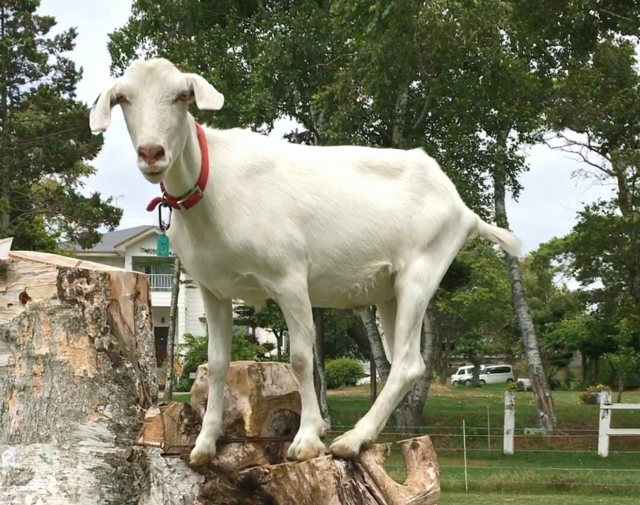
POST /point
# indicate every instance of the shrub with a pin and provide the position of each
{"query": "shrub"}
(591, 395)
(516, 386)
(343, 372)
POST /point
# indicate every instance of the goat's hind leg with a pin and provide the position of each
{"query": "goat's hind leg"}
(415, 286)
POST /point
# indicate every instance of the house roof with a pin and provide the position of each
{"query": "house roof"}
(114, 240)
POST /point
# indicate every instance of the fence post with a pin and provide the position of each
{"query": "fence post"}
(509, 421)
(605, 424)
(488, 429)
(464, 445)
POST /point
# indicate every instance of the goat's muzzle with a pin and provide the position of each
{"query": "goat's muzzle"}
(151, 153)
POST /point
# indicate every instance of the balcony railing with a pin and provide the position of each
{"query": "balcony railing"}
(161, 282)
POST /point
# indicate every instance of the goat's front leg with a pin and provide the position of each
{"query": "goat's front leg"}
(220, 322)
(296, 309)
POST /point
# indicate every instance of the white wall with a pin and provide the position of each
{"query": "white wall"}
(194, 311)
(113, 261)
(136, 249)
(158, 314)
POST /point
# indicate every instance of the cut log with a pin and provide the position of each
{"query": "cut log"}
(77, 366)
(261, 415)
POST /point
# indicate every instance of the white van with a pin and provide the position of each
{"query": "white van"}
(489, 374)
(494, 374)
(464, 374)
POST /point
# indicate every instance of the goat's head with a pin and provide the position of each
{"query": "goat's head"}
(154, 96)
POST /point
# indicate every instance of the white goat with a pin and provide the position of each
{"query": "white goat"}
(342, 227)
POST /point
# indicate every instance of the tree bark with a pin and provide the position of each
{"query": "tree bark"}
(321, 379)
(378, 354)
(5, 174)
(544, 400)
(400, 110)
(171, 338)
(373, 374)
(279, 338)
(77, 366)
(620, 388)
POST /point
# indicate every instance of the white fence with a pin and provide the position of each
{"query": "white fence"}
(160, 282)
(605, 430)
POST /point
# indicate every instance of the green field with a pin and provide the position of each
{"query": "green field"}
(563, 469)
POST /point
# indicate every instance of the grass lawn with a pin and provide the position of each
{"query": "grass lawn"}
(563, 469)
(566, 464)
(536, 499)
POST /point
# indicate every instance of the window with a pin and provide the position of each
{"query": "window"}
(500, 369)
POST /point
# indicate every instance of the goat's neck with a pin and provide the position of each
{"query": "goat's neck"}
(186, 168)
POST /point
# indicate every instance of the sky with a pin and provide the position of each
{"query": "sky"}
(546, 208)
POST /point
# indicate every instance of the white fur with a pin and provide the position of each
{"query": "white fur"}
(339, 227)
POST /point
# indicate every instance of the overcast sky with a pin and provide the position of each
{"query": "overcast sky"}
(546, 208)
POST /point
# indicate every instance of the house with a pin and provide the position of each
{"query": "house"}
(133, 249)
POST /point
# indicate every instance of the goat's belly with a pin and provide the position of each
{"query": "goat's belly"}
(342, 290)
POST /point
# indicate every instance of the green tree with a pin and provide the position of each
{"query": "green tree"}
(600, 253)
(270, 318)
(44, 137)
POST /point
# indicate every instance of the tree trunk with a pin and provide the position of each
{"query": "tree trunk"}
(620, 387)
(368, 317)
(171, 339)
(321, 380)
(279, 344)
(409, 414)
(373, 391)
(77, 366)
(5, 173)
(442, 358)
(544, 400)
(358, 334)
(475, 376)
(397, 136)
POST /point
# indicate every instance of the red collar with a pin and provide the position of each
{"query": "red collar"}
(194, 195)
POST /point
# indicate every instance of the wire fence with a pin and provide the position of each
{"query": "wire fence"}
(471, 459)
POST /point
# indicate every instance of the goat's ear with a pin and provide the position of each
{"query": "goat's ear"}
(207, 97)
(100, 116)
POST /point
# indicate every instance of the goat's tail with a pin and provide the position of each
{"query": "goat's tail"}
(504, 238)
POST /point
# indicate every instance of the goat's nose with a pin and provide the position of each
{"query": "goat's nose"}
(151, 153)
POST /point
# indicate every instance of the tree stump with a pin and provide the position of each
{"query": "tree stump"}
(261, 417)
(77, 366)
(262, 407)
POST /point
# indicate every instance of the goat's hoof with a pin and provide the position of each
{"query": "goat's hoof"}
(348, 445)
(306, 446)
(200, 457)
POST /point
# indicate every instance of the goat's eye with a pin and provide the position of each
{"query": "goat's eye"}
(184, 96)
(121, 99)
